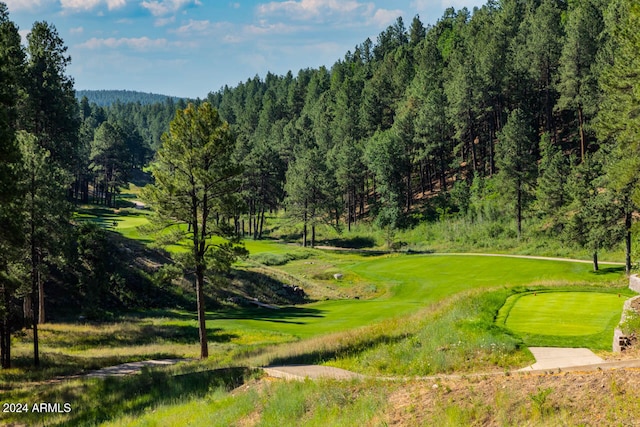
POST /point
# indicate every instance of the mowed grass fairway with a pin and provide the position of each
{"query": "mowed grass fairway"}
(570, 319)
(406, 283)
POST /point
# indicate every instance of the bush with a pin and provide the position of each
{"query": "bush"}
(631, 325)
(271, 259)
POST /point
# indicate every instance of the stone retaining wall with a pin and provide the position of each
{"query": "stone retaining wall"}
(634, 282)
(620, 340)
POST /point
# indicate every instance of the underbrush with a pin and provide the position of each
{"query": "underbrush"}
(273, 259)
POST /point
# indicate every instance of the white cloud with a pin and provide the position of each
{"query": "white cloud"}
(77, 30)
(310, 9)
(161, 22)
(78, 5)
(347, 12)
(231, 33)
(384, 17)
(166, 7)
(17, 5)
(23, 35)
(266, 29)
(194, 26)
(85, 5)
(235, 5)
(116, 4)
(140, 43)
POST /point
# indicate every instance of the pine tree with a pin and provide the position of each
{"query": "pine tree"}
(46, 221)
(50, 111)
(618, 121)
(194, 176)
(516, 162)
(553, 170)
(12, 59)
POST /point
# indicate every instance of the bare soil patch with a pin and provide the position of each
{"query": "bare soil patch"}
(574, 398)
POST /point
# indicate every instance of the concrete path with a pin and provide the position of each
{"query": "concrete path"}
(131, 368)
(301, 372)
(556, 358)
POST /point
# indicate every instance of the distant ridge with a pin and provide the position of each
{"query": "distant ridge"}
(105, 98)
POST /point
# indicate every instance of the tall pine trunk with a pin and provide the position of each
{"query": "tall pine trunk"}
(583, 142)
(199, 233)
(627, 223)
(41, 312)
(5, 331)
(202, 325)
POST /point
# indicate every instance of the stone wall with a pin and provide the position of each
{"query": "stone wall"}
(634, 282)
(620, 340)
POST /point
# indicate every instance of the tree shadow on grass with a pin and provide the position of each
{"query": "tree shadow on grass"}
(143, 335)
(351, 243)
(289, 315)
(349, 348)
(55, 366)
(102, 400)
(602, 271)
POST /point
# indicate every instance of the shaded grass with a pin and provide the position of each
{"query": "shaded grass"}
(97, 400)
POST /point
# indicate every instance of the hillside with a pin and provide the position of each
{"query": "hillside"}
(105, 98)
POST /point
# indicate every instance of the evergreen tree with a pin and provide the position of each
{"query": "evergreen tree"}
(578, 83)
(618, 121)
(305, 188)
(516, 162)
(110, 161)
(194, 174)
(387, 159)
(553, 171)
(50, 111)
(12, 59)
(46, 221)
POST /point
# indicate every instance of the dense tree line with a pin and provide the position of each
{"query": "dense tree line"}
(526, 103)
(106, 98)
(55, 152)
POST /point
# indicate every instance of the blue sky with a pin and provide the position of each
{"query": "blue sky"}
(191, 47)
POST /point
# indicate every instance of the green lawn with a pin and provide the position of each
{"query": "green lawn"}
(409, 283)
(569, 319)
(402, 284)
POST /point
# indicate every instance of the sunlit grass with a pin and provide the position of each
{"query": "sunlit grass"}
(567, 319)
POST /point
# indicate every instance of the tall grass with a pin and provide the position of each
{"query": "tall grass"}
(96, 400)
(323, 403)
(458, 336)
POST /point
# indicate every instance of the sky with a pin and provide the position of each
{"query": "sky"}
(188, 48)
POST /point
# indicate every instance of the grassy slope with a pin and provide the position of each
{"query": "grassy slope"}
(412, 282)
(401, 285)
